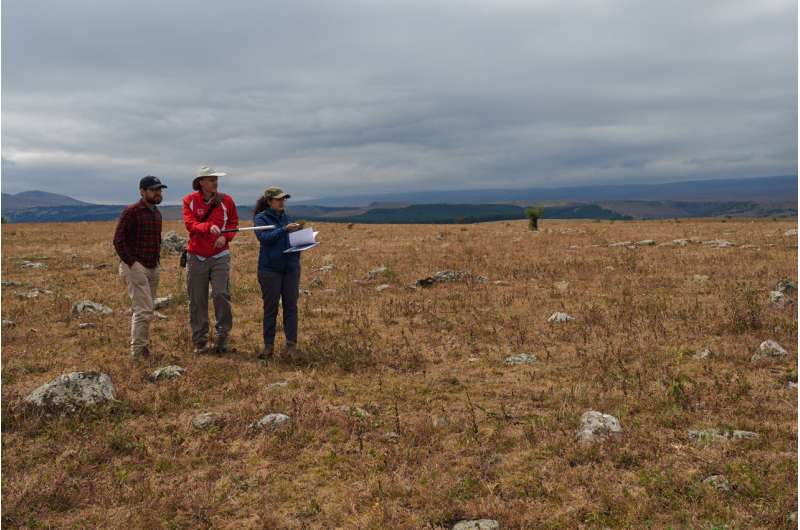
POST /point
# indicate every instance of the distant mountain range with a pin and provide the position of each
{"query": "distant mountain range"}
(756, 197)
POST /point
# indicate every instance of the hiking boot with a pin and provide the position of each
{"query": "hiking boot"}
(220, 348)
(290, 350)
(265, 354)
(201, 350)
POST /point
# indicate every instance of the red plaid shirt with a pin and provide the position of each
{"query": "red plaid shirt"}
(138, 235)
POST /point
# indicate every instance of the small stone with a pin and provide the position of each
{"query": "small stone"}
(326, 268)
(561, 286)
(9, 323)
(744, 435)
(205, 420)
(167, 372)
(559, 317)
(354, 411)
(718, 243)
(704, 354)
(702, 279)
(790, 232)
(680, 242)
(778, 299)
(33, 265)
(73, 390)
(277, 384)
(391, 437)
(374, 273)
(87, 325)
(477, 524)
(316, 281)
(482, 279)
(87, 306)
(595, 426)
(772, 348)
(718, 482)
(786, 286)
(522, 358)
(707, 435)
(10, 283)
(621, 244)
(646, 242)
(500, 283)
(382, 287)
(162, 302)
(271, 422)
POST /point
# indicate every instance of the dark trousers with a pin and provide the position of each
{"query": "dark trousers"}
(285, 287)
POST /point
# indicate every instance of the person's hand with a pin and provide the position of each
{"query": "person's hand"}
(215, 230)
(292, 227)
(220, 242)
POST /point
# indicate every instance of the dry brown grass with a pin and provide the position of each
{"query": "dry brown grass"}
(477, 438)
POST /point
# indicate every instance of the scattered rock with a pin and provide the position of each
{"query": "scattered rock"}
(87, 325)
(326, 268)
(173, 243)
(10, 283)
(786, 286)
(646, 242)
(790, 232)
(167, 372)
(87, 306)
(271, 422)
(522, 358)
(382, 287)
(621, 244)
(316, 281)
(767, 349)
(704, 354)
(716, 435)
(561, 286)
(9, 323)
(718, 243)
(206, 419)
(277, 384)
(500, 283)
(33, 265)
(559, 317)
(162, 302)
(596, 426)
(718, 482)
(482, 279)
(391, 437)
(374, 273)
(778, 299)
(33, 293)
(477, 524)
(73, 390)
(444, 276)
(680, 242)
(355, 411)
(702, 279)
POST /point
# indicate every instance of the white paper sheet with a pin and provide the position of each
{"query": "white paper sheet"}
(306, 236)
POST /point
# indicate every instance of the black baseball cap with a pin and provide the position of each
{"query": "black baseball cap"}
(150, 182)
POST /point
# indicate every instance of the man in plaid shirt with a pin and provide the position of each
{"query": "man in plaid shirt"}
(137, 241)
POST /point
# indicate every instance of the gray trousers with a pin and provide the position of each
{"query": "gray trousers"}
(217, 272)
(285, 287)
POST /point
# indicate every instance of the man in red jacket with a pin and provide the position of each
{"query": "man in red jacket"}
(206, 213)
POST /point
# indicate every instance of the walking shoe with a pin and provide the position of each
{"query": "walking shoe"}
(220, 348)
(291, 349)
(265, 354)
(201, 350)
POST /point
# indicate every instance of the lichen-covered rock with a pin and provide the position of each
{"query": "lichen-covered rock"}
(376, 272)
(772, 348)
(521, 358)
(271, 422)
(718, 482)
(786, 286)
(73, 390)
(167, 372)
(704, 354)
(595, 426)
(717, 435)
(646, 242)
(87, 306)
(173, 243)
(477, 524)
(559, 317)
(206, 419)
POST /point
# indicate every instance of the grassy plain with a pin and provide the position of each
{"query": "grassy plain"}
(475, 438)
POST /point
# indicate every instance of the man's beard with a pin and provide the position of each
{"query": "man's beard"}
(156, 200)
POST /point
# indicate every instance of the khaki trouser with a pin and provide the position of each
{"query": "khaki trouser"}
(217, 272)
(142, 284)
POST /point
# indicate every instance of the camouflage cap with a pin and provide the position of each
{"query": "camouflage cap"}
(276, 193)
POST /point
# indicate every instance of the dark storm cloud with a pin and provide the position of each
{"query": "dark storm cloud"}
(339, 97)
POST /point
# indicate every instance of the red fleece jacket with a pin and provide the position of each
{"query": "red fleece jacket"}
(201, 240)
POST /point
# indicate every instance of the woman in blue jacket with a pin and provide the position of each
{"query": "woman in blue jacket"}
(278, 273)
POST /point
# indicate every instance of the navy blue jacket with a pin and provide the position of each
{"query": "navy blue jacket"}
(274, 242)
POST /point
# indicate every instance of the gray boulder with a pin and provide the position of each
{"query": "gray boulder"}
(559, 317)
(769, 348)
(778, 299)
(596, 426)
(73, 390)
(718, 482)
(87, 306)
(167, 372)
(522, 358)
(205, 420)
(173, 243)
(271, 422)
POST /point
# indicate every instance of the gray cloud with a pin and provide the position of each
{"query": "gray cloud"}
(348, 97)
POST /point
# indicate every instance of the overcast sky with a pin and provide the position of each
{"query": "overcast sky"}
(344, 97)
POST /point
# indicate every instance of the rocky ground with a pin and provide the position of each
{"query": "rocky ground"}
(590, 375)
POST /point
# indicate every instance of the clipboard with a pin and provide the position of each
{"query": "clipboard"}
(301, 248)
